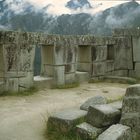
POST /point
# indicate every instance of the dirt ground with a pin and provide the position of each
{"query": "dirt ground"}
(25, 117)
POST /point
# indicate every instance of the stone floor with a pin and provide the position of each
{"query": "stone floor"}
(25, 117)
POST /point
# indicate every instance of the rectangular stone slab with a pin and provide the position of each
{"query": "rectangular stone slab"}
(87, 132)
(66, 120)
(116, 132)
(103, 115)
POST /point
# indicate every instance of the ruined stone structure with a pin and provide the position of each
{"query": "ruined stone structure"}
(67, 58)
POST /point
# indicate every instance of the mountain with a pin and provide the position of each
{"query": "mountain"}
(76, 4)
(30, 19)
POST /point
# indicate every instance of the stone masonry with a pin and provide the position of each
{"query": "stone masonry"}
(62, 56)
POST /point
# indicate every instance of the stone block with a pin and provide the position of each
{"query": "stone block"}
(131, 110)
(87, 132)
(123, 54)
(123, 73)
(84, 54)
(136, 48)
(70, 78)
(70, 54)
(82, 76)
(59, 55)
(69, 68)
(101, 53)
(117, 105)
(66, 120)
(12, 84)
(109, 66)
(103, 115)
(59, 75)
(137, 70)
(84, 67)
(26, 58)
(93, 101)
(99, 68)
(26, 82)
(116, 132)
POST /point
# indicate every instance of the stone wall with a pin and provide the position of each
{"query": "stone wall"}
(62, 56)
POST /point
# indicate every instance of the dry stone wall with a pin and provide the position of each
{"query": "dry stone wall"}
(63, 56)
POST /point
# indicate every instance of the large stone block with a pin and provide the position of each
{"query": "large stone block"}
(123, 54)
(136, 48)
(82, 76)
(99, 68)
(26, 82)
(131, 110)
(116, 132)
(59, 75)
(93, 101)
(84, 67)
(103, 115)
(70, 78)
(137, 70)
(101, 53)
(66, 120)
(87, 132)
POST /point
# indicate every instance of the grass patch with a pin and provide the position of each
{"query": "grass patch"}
(27, 92)
(114, 100)
(67, 86)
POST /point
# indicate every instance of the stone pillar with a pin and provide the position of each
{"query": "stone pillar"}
(131, 110)
(65, 64)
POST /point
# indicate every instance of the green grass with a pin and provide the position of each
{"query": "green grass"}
(115, 100)
(66, 86)
(27, 92)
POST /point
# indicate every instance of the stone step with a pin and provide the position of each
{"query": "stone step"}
(116, 132)
(93, 101)
(64, 121)
(103, 115)
(82, 76)
(87, 132)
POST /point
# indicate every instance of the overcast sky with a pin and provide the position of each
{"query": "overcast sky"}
(58, 6)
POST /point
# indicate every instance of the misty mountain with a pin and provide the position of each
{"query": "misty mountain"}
(29, 19)
(76, 4)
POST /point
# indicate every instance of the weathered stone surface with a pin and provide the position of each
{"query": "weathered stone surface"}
(82, 76)
(131, 110)
(93, 101)
(136, 48)
(66, 120)
(87, 132)
(117, 105)
(103, 115)
(116, 132)
(99, 68)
